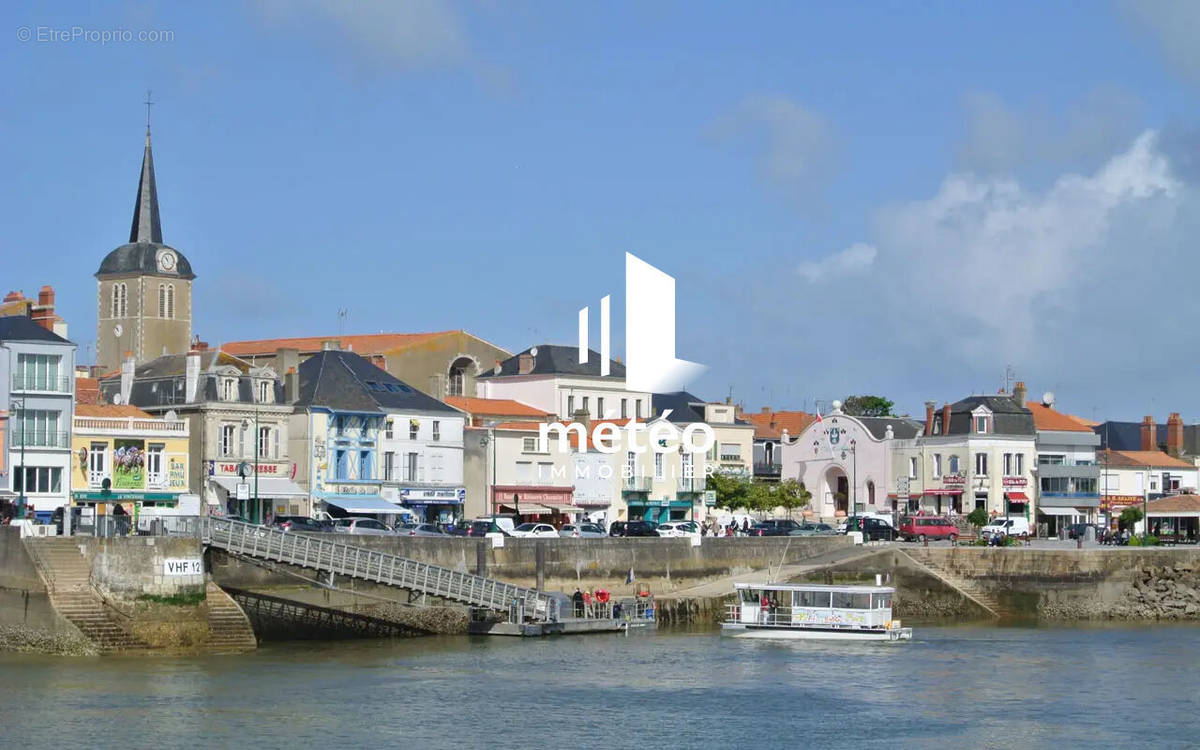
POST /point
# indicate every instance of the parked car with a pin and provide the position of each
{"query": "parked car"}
(581, 531)
(633, 528)
(420, 529)
(539, 530)
(368, 526)
(774, 527)
(302, 523)
(920, 528)
(679, 529)
(505, 523)
(486, 528)
(873, 529)
(813, 529)
(1018, 527)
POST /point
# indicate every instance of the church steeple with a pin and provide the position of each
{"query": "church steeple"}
(146, 227)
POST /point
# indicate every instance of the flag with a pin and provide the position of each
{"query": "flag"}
(629, 578)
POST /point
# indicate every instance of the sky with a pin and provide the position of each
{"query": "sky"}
(905, 198)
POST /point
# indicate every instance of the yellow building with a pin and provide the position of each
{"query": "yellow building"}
(143, 458)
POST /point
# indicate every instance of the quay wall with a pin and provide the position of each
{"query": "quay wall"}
(133, 567)
(28, 621)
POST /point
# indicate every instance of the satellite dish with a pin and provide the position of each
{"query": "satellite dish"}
(118, 330)
(498, 369)
(533, 352)
(117, 399)
(1048, 398)
(171, 415)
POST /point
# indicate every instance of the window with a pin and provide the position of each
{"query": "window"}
(156, 475)
(38, 428)
(637, 408)
(38, 372)
(162, 300)
(341, 466)
(229, 389)
(1086, 485)
(912, 468)
(414, 428)
(455, 386)
(120, 298)
(1112, 483)
(731, 452)
(658, 466)
(1008, 464)
(937, 465)
(225, 446)
(264, 442)
(981, 464)
(1054, 484)
(585, 406)
(97, 464)
(364, 465)
(1020, 463)
(954, 464)
(870, 492)
(437, 430)
(624, 408)
(264, 391)
(410, 467)
(275, 443)
(688, 469)
(524, 472)
(545, 472)
(387, 429)
(631, 464)
(570, 406)
(600, 407)
(981, 425)
(1051, 459)
(529, 445)
(37, 479)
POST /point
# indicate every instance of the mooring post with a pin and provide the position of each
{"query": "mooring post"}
(540, 556)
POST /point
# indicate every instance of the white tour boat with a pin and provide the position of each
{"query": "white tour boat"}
(805, 610)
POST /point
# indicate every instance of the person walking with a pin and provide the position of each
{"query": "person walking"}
(577, 601)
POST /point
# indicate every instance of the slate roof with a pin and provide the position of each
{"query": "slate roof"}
(552, 359)
(161, 381)
(140, 254)
(22, 328)
(902, 427)
(685, 407)
(1010, 417)
(345, 381)
(1127, 436)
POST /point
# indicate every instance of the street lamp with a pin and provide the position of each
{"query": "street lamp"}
(853, 477)
(245, 424)
(489, 489)
(18, 405)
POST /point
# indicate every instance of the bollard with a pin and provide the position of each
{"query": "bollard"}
(1078, 542)
(540, 556)
(925, 541)
(481, 559)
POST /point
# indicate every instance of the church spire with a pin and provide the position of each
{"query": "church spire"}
(146, 227)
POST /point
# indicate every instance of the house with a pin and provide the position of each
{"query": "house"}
(769, 425)
(1130, 477)
(141, 458)
(1068, 487)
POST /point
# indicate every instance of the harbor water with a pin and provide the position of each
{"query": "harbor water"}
(1118, 686)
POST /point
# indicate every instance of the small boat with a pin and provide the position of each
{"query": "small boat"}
(812, 611)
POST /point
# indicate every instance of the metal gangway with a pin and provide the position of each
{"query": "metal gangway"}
(318, 553)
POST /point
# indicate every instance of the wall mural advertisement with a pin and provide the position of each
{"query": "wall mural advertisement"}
(129, 464)
(177, 474)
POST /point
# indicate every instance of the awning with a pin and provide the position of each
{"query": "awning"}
(1020, 496)
(361, 503)
(1059, 511)
(267, 486)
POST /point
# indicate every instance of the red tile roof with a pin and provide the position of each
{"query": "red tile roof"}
(1141, 460)
(771, 424)
(1175, 504)
(110, 410)
(364, 344)
(502, 407)
(1046, 418)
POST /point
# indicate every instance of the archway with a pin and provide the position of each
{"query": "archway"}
(837, 490)
(457, 376)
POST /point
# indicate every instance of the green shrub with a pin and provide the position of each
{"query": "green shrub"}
(978, 517)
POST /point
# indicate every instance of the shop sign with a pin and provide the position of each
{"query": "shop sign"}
(444, 495)
(710, 498)
(954, 479)
(176, 474)
(352, 489)
(1015, 481)
(232, 468)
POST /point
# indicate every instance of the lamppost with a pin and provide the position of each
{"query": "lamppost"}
(255, 437)
(18, 405)
(853, 477)
(489, 489)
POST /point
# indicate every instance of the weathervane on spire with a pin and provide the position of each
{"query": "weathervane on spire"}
(148, 104)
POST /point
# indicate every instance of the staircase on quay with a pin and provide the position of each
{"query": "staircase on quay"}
(67, 576)
(229, 628)
(969, 589)
(320, 553)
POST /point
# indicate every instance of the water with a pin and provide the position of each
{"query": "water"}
(951, 687)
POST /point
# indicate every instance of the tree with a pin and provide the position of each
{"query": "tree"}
(1131, 515)
(868, 406)
(731, 491)
(978, 517)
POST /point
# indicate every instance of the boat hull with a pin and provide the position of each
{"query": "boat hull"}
(791, 633)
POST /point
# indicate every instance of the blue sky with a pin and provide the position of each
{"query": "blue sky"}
(896, 197)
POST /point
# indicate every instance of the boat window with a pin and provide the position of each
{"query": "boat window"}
(846, 600)
(883, 601)
(750, 596)
(812, 599)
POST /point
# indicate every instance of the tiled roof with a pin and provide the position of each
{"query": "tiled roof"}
(110, 410)
(773, 423)
(1175, 504)
(1140, 460)
(1046, 418)
(364, 344)
(504, 407)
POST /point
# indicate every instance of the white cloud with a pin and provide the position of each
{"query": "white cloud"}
(1176, 26)
(857, 258)
(407, 33)
(793, 143)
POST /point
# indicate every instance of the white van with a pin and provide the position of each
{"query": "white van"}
(1007, 526)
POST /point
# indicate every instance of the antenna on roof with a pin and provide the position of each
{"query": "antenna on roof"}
(342, 313)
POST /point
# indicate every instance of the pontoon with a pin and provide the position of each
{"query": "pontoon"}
(803, 610)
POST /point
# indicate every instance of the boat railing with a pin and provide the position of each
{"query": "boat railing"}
(808, 616)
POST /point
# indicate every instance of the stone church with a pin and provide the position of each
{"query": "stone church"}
(144, 295)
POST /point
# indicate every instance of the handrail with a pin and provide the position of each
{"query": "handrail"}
(339, 558)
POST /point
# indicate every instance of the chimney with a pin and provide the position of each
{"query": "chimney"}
(286, 359)
(1019, 393)
(1175, 435)
(43, 312)
(584, 418)
(524, 364)
(13, 297)
(945, 419)
(126, 377)
(291, 386)
(331, 345)
(929, 418)
(1149, 439)
(191, 376)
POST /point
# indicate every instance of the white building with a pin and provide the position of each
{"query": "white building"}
(421, 453)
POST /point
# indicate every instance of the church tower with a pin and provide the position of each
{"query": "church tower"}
(144, 295)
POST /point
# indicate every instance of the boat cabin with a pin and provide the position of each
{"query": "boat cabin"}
(812, 605)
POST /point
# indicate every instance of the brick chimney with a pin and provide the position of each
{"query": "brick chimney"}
(929, 417)
(1019, 393)
(13, 297)
(1149, 438)
(1175, 435)
(945, 419)
(524, 364)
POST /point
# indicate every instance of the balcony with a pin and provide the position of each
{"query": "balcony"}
(40, 439)
(636, 484)
(130, 426)
(768, 469)
(690, 484)
(25, 381)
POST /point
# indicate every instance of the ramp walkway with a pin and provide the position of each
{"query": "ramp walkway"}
(967, 588)
(326, 553)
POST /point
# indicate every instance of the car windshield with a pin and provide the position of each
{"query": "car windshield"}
(527, 527)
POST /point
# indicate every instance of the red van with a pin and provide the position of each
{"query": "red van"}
(920, 528)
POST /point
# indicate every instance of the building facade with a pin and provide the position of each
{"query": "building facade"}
(1068, 476)
(124, 455)
(37, 390)
(144, 287)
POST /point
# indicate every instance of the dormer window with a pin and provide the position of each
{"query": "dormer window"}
(228, 389)
(264, 392)
(981, 425)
